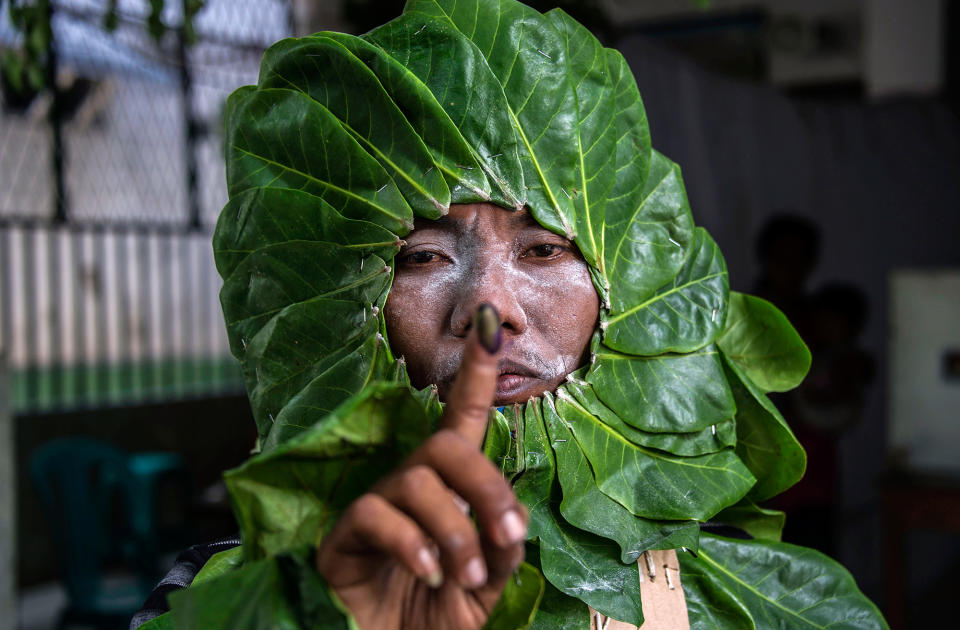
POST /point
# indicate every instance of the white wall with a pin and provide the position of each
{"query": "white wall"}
(924, 403)
(904, 46)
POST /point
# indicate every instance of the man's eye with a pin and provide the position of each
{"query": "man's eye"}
(420, 258)
(545, 250)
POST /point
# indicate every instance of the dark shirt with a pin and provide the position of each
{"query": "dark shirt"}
(186, 567)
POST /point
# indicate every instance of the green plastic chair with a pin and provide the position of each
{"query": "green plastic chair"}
(100, 503)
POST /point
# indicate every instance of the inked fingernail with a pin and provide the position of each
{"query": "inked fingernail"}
(434, 577)
(512, 529)
(487, 321)
(474, 574)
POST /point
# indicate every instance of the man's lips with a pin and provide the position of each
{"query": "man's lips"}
(510, 383)
(514, 379)
(516, 382)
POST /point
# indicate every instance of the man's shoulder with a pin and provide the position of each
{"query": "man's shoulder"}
(181, 575)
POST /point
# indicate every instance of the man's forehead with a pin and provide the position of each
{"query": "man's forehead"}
(460, 219)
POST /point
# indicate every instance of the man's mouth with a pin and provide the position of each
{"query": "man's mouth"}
(517, 382)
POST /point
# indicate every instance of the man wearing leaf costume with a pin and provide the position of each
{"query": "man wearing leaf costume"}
(556, 263)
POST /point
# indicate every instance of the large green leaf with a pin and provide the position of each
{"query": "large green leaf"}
(634, 151)
(595, 132)
(354, 369)
(287, 140)
(467, 175)
(647, 237)
(711, 605)
(527, 55)
(271, 381)
(534, 487)
(774, 585)
(588, 567)
(558, 611)
(469, 95)
(710, 440)
(760, 340)
(504, 441)
(276, 279)
(651, 483)
(219, 564)
(303, 290)
(289, 497)
(259, 217)
(683, 315)
(576, 562)
(326, 71)
(764, 441)
(672, 393)
(278, 593)
(760, 522)
(585, 507)
(518, 603)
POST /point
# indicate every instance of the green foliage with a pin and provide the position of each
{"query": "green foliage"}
(685, 314)
(27, 69)
(283, 592)
(289, 497)
(521, 596)
(220, 564)
(761, 523)
(764, 441)
(163, 622)
(767, 586)
(585, 506)
(760, 341)
(331, 156)
(651, 483)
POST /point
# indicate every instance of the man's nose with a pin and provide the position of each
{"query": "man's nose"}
(495, 285)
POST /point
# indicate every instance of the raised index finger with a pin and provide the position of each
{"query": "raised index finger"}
(472, 392)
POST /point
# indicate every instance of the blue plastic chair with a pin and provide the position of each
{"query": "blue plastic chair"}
(100, 503)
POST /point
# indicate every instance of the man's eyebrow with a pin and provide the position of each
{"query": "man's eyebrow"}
(523, 217)
(520, 218)
(443, 223)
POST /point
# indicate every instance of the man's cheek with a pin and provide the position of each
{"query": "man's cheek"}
(442, 363)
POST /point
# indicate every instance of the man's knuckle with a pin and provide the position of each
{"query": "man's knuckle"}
(472, 410)
(443, 441)
(417, 478)
(458, 542)
(494, 491)
(365, 509)
(409, 541)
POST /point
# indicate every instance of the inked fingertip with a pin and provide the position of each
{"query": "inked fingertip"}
(489, 330)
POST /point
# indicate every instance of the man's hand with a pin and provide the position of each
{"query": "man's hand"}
(407, 555)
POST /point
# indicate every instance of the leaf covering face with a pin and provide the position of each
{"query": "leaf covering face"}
(343, 141)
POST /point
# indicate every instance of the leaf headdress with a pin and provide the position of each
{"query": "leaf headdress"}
(343, 141)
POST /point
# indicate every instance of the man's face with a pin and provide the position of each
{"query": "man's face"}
(479, 253)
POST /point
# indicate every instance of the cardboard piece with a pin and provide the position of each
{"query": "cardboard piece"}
(664, 608)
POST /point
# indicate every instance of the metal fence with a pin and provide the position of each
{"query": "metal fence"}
(110, 185)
